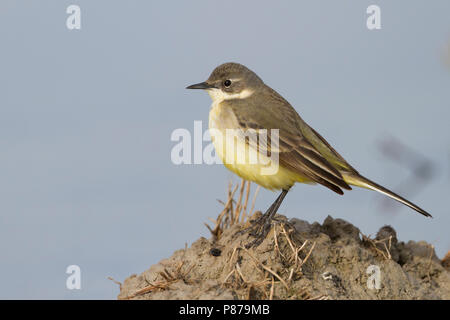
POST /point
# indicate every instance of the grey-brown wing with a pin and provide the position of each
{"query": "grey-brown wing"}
(296, 153)
(300, 156)
(328, 151)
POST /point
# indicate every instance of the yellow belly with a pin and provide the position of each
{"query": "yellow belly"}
(283, 179)
(240, 157)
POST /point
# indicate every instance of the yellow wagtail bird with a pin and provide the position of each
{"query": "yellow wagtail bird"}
(242, 101)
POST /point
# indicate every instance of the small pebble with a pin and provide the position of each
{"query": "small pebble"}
(215, 252)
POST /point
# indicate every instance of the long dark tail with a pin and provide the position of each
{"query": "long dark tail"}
(360, 181)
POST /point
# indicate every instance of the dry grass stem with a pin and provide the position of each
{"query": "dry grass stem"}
(272, 289)
(385, 243)
(233, 212)
(266, 268)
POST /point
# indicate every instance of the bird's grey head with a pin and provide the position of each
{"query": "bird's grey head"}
(230, 81)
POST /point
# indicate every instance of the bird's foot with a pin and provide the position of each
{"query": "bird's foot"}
(259, 229)
(262, 225)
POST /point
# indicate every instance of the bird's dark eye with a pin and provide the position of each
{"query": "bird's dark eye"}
(227, 83)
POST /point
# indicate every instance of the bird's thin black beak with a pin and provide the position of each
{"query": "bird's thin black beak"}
(201, 85)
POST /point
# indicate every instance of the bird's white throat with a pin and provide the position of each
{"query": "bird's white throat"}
(218, 95)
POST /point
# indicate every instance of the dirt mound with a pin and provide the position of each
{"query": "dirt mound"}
(298, 260)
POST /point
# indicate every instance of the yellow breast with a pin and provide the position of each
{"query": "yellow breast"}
(238, 157)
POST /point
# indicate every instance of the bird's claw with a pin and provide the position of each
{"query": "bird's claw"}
(259, 229)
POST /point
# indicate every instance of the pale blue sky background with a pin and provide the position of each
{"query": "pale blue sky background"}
(86, 118)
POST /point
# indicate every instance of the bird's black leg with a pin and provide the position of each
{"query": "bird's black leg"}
(261, 227)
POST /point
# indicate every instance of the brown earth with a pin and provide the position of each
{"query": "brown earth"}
(297, 260)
